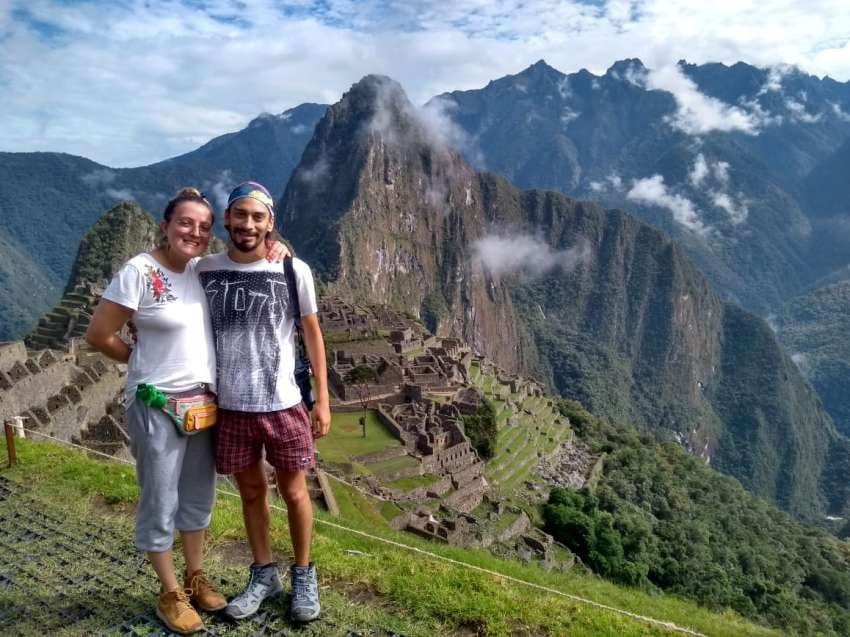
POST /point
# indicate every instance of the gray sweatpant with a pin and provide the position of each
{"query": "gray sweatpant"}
(176, 476)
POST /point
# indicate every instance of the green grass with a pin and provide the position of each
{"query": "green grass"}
(426, 596)
(345, 440)
(386, 467)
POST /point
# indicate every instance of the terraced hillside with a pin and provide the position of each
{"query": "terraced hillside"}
(530, 429)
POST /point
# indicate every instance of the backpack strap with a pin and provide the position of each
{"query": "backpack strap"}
(292, 286)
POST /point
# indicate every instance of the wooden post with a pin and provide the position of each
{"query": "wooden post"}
(10, 443)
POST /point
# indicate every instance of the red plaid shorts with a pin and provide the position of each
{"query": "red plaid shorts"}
(286, 435)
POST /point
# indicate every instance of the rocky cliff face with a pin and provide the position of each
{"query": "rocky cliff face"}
(386, 211)
(601, 305)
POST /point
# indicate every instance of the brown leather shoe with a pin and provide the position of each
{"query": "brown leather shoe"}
(176, 612)
(202, 593)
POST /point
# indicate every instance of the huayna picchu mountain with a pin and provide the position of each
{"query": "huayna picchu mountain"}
(607, 309)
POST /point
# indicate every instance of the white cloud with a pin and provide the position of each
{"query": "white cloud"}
(612, 181)
(799, 112)
(502, 254)
(704, 170)
(122, 194)
(568, 115)
(737, 211)
(132, 82)
(99, 177)
(839, 112)
(697, 113)
(775, 75)
(220, 189)
(803, 362)
(699, 171)
(653, 191)
(721, 171)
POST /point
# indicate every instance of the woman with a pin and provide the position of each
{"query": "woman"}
(161, 293)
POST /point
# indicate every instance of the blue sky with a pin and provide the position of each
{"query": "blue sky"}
(129, 82)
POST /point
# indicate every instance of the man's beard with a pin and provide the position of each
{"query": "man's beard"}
(243, 245)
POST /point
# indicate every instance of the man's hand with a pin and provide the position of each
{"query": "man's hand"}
(321, 418)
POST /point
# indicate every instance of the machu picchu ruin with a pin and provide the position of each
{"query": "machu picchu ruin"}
(410, 408)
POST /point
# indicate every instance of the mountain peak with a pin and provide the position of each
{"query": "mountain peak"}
(621, 68)
(125, 230)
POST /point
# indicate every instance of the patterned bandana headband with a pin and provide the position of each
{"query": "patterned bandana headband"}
(253, 190)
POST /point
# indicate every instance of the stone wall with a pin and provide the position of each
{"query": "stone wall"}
(11, 353)
(27, 383)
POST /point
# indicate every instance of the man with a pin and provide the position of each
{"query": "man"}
(260, 404)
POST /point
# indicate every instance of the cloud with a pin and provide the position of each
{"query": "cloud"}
(737, 211)
(799, 112)
(122, 194)
(99, 177)
(525, 254)
(839, 112)
(699, 171)
(803, 362)
(568, 115)
(314, 173)
(696, 113)
(775, 75)
(653, 191)
(108, 80)
(436, 125)
(721, 171)
(612, 181)
(702, 172)
(220, 189)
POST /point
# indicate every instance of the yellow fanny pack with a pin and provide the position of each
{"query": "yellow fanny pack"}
(192, 411)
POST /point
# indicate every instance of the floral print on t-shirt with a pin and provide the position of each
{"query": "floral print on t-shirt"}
(158, 285)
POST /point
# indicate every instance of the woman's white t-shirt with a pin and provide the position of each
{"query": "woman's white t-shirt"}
(175, 349)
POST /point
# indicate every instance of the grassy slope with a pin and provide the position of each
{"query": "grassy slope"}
(424, 596)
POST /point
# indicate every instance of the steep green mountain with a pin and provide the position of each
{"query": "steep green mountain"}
(815, 328)
(659, 517)
(26, 290)
(124, 231)
(606, 308)
(735, 199)
(56, 198)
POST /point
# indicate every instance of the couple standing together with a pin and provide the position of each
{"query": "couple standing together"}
(224, 323)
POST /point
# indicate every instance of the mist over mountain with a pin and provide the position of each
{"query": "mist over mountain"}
(608, 309)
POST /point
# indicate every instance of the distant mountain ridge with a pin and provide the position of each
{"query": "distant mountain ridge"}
(615, 314)
(600, 137)
(48, 201)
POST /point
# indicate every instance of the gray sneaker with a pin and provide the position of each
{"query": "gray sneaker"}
(263, 582)
(305, 593)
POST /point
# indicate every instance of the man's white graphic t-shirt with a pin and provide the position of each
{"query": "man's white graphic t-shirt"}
(174, 351)
(254, 330)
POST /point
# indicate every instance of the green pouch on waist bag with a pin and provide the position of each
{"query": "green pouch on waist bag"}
(191, 411)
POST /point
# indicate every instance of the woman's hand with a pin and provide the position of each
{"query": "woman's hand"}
(276, 251)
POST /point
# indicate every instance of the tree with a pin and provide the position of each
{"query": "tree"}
(359, 377)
